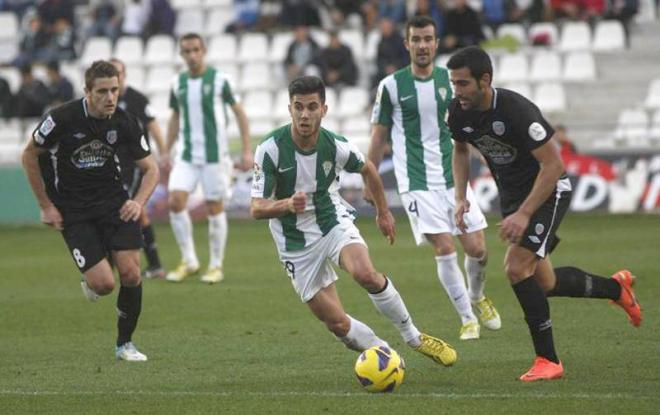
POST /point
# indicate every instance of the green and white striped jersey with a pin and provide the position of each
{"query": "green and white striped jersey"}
(281, 169)
(201, 104)
(415, 109)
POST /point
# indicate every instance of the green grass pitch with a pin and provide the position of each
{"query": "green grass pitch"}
(248, 346)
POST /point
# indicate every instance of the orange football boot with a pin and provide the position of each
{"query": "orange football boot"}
(543, 369)
(627, 299)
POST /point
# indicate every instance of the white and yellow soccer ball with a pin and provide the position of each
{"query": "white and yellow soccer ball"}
(379, 369)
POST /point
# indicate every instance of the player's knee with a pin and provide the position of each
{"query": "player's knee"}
(175, 204)
(515, 273)
(130, 277)
(102, 287)
(368, 278)
(444, 249)
(478, 252)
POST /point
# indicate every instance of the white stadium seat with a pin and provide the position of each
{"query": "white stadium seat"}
(8, 50)
(9, 26)
(320, 36)
(217, 3)
(609, 36)
(371, 45)
(261, 127)
(217, 20)
(354, 39)
(653, 96)
(253, 48)
(159, 79)
(654, 131)
(160, 50)
(579, 67)
(632, 125)
(135, 76)
(515, 30)
(189, 20)
(547, 28)
(96, 48)
(11, 131)
(222, 48)
(356, 126)
(279, 47)
(523, 88)
(352, 101)
(575, 36)
(256, 76)
(546, 66)
(513, 68)
(281, 105)
(160, 103)
(258, 105)
(10, 153)
(183, 5)
(130, 50)
(550, 97)
(13, 77)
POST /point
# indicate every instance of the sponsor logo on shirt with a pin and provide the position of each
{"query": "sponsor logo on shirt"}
(498, 127)
(91, 155)
(468, 129)
(79, 136)
(406, 98)
(498, 152)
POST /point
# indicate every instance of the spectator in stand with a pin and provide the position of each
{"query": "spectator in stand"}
(34, 43)
(463, 28)
(247, 15)
(369, 13)
(51, 11)
(394, 10)
(19, 7)
(6, 99)
(161, 19)
(300, 13)
(392, 54)
(434, 10)
(59, 86)
(345, 13)
(528, 11)
(32, 97)
(302, 53)
(106, 18)
(63, 40)
(136, 16)
(578, 9)
(623, 11)
(494, 13)
(337, 65)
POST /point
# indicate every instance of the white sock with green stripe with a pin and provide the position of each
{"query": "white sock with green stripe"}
(390, 304)
(361, 337)
(475, 268)
(452, 280)
(182, 228)
(217, 239)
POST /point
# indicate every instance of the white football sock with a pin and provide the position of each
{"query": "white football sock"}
(182, 228)
(217, 239)
(451, 277)
(360, 337)
(390, 304)
(475, 268)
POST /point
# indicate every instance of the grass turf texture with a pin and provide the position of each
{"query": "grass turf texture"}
(248, 345)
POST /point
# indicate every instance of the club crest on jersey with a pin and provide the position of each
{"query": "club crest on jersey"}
(443, 93)
(498, 127)
(327, 166)
(207, 89)
(111, 136)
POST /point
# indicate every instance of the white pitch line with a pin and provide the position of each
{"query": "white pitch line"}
(452, 396)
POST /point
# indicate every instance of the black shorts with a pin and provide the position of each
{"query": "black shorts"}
(540, 236)
(91, 240)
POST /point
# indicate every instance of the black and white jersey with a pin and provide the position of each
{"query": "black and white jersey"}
(136, 104)
(505, 134)
(83, 157)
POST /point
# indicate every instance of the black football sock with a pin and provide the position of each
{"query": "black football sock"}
(129, 305)
(537, 314)
(574, 282)
(150, 248)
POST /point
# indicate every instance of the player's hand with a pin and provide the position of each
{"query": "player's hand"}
(130, 211)
(247, 160)
(51, 216)
(367, 196)
(297, 202)
(385, 222)
(462, 207)
(513, 227)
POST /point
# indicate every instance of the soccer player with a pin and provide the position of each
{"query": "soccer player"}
(515, 139)
(136, 103)
(296, 186)
(198, 124)
(83, 196)
(410, 108)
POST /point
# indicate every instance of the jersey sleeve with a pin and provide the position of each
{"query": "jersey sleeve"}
(453, 123)
(147, 114)
(47, 133)
(174, 102)
(137, 144)
(228, 93)
(531, 125)
(382, 110)
(263, 176)
(349, 158)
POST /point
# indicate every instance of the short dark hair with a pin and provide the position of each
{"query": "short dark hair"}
(53, 65)
(307, 85)
(119, 62)
(420, 22)
(99, 69)
(475, 59)
(191, 36)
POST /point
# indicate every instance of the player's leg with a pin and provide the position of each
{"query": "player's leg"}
(521, 268)
(215, 189)
(154, 267)
(354, 258)
(129, 303)
(183, 180)
(356, 335)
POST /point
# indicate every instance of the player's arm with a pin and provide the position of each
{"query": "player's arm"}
(244, 129)
(132, 208)
(157, 135)
(50, 215)
(172, 131)
(461, 172)
(379, 135)
(374, 184)
(268, 208)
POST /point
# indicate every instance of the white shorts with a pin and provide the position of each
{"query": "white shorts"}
(310, 269)
(214, 177)
(432, 212)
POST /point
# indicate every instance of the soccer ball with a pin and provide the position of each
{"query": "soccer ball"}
(379, 369)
